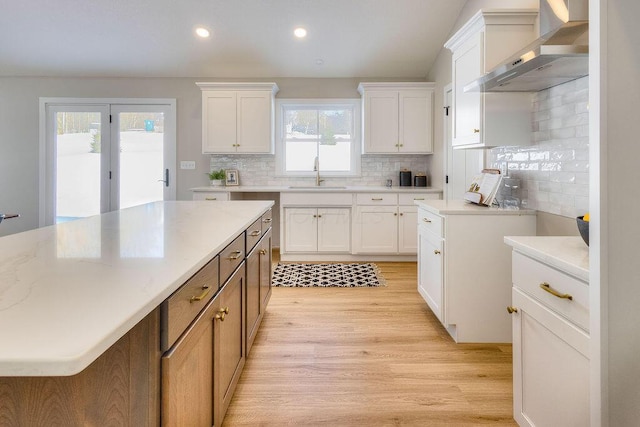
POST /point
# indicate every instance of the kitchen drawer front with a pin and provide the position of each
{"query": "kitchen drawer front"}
(388, 199)
(529, 275)
(231, 257)
(254, 233)
(267, 220)
(316, 199)
(432, 222)
(211, 195)
(179, 310)
(410, 198)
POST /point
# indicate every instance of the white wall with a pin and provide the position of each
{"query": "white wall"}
(19, 139)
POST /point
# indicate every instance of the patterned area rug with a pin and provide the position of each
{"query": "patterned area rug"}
(325, 275)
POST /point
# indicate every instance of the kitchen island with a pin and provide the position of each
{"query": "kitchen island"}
(80, 307)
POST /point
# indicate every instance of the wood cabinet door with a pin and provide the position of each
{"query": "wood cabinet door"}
(408, 230)
(229, 342)
(550, 367)
(187, 375)
(266, 265)
(376, 229)
(219, 134)
(415, 121)
(253, 265)
(334, 229)
(301, 230)
(254, 112)
(467, 66)
(430, 271)
(381, 122)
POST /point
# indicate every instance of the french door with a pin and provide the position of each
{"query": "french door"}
(104, 156)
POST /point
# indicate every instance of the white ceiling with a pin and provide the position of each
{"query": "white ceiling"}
(250, 38)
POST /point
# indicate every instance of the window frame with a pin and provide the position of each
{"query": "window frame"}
(356, 141)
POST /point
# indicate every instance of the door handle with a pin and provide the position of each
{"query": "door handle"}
(166, 178)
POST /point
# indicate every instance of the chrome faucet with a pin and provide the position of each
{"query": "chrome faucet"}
(316, 169)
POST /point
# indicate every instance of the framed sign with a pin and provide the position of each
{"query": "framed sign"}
(232, 177)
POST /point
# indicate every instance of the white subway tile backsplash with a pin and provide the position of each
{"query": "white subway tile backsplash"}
(554, 170)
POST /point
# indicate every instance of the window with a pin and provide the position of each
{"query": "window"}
(326, 129)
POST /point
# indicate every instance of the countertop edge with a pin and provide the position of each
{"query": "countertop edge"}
(287, 189)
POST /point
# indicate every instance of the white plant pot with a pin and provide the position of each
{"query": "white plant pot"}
(216, 182)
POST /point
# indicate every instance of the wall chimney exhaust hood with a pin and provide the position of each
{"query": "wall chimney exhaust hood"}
(560, 55)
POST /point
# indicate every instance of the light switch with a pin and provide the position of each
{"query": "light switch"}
(187, 164)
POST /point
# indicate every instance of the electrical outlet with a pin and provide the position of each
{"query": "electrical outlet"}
(187, 164)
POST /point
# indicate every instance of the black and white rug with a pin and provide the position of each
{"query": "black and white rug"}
(325, 275)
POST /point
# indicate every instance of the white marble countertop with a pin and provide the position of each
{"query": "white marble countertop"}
(70, 291)
(461, 207)
(566, 253)
(322, 188)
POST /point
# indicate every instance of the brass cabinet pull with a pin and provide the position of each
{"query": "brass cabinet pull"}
(476, 131)
(437, 252)
(211, 198)
(319, 216)
(395, 214)
(224, 310)
(421, 198)
(315, 216)
(401, 214)
(263, 251)
(267, 220)
(397, 145)
(401, 145)
(236, 255)
(376, 199)
(200, 297)
(511, 310)
(547, 287)
(426, 219)
(255, 233)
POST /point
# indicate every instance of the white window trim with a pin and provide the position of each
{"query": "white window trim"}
(356, 151)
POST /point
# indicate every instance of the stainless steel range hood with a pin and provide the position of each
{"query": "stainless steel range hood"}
(560, 55)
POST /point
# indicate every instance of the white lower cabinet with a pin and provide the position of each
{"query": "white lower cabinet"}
(407, 232)
(376, 230)
(430, 271)
(550, 348)
(317, 229)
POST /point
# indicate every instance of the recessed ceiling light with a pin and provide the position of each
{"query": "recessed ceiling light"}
(300, 32)
(203, 32)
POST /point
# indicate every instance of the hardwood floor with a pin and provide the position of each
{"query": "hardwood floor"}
(368, 357)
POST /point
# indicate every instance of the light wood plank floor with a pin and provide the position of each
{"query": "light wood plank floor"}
(368, 357)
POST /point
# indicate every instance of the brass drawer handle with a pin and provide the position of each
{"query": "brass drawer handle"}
(476, 131)
(512, 310)
(377, 199)
(421, 198)
(263, 251)
(255, 233)
(236, 255)
(437, 252)
(211, 198)
(267, 220)
(426, 219)
(547, 287)
(200, 297)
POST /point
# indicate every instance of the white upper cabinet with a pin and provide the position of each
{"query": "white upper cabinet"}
(397, 117)
(237, 117)
(489, 119)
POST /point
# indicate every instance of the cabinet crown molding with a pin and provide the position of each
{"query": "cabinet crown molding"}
(273, 87)
(491, 17)
(394, 86)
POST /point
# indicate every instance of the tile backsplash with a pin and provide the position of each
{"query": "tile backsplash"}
(375, 170)
(552, 174)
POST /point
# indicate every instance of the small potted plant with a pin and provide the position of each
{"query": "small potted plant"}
(216, 178)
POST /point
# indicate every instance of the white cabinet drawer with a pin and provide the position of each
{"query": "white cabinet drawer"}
(211, 195)
(431, 222)
(571, 299)
(410, 198)
(387, 199)
(316, 199)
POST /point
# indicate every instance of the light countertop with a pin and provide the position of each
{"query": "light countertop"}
(322, 188)
(461, 207)
(70, 291)
(567, 253)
